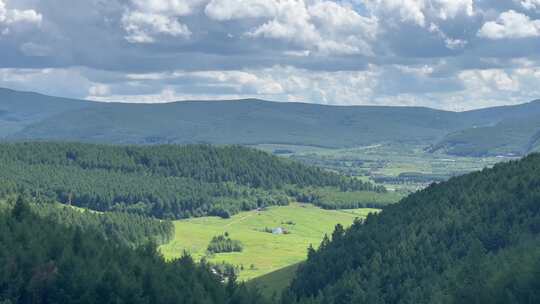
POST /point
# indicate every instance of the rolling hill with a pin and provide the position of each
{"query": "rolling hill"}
(516, 136)
(21, 109)
(30, 116)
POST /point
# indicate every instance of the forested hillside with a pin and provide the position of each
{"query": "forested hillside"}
(132, 230)
(509, 137)
(162, 181)
(473, 239)
(43, 261)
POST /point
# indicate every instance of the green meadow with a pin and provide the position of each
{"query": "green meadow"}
(263, 252)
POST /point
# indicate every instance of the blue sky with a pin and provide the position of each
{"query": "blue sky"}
(449, 54)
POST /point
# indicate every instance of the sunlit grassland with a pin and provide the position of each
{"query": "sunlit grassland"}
(263, 252)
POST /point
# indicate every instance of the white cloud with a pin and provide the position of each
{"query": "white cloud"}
(450, 43)
(510, 24)
(242, 81)
(449, 9)
(167, 7)
(427, 14)
(323, 27)
(408, 10)
(240, 9)
(11, 17)
(531, 4)
(418, 11)
(99, 89)
(142, 27)
(280, 83)
(490, 80)
(147, 18)
(332, 17)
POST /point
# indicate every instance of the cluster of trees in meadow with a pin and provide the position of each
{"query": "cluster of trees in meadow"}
(167, 182)
(223, 243)
(329, 198)
(44, 261)
(473, 239)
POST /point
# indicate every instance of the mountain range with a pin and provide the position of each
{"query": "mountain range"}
(506, 130)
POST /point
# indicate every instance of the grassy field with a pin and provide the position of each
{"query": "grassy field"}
(263, 252)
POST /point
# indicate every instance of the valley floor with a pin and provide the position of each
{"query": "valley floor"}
(263, 252)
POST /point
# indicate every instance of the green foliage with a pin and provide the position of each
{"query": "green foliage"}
(42, 261)
(167, 182)
(329, 198)
(118, 227)
(461, 241)
(509, 137)
(223, 243)
(131, 230)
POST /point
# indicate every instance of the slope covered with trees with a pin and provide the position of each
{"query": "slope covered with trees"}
(509, 137)
(43, 261)
(473, 239)
(162, 181)
(132, 230)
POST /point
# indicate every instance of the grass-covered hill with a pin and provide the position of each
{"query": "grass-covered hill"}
(48, 261)
(29, 116)
(162, 181)
(473, 239)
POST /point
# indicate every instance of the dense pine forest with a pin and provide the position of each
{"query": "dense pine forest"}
(44, 261)
(167, 182)
(473, 239)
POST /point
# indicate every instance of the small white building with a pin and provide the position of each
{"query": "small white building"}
(277, 230)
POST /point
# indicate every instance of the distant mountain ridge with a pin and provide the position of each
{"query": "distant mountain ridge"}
(31, 116)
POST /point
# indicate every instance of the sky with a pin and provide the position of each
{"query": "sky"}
(446, 54)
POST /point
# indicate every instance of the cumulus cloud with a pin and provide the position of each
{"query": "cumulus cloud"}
(489, 80)
(11, 17)
(450, 42)
(418, 11)
(146, 19)
(530, 4)
(239, 9)
(510, 24)
(323, 27)
(142, 27)
(428, 15)
(168, 7)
